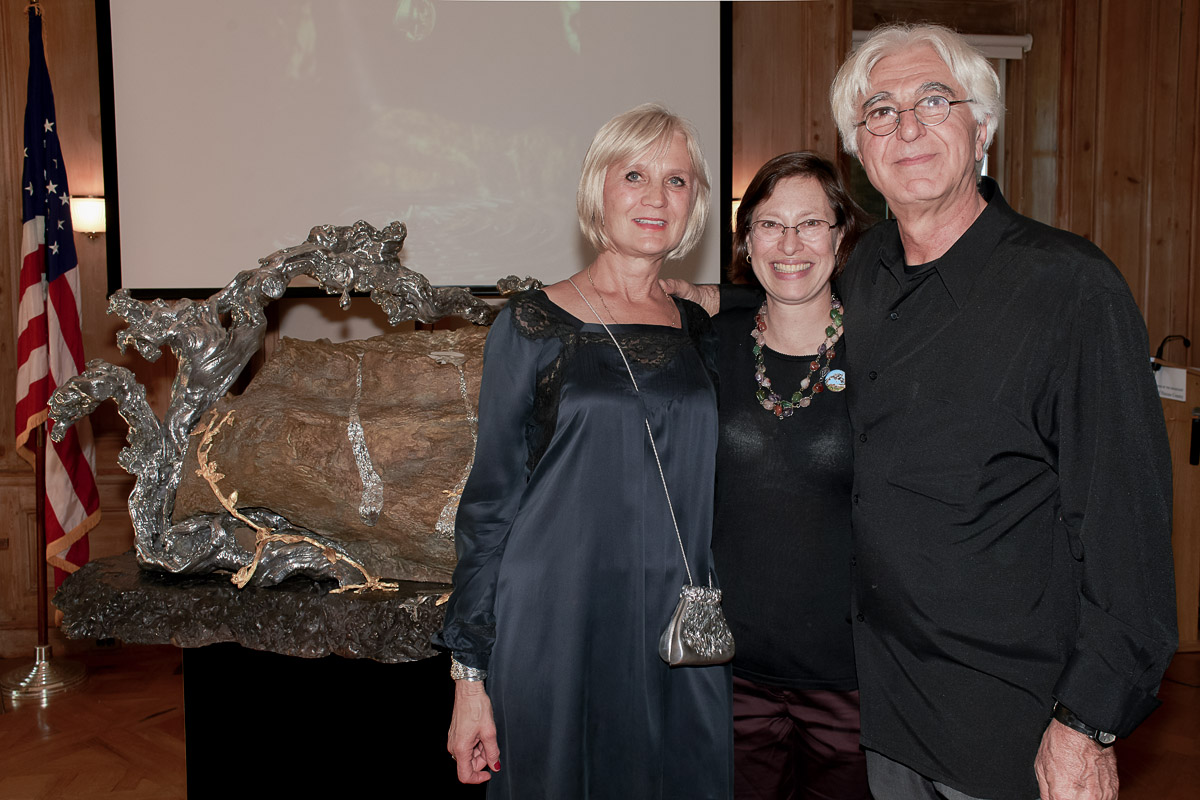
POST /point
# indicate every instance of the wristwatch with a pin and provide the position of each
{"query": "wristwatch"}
(1064, 715)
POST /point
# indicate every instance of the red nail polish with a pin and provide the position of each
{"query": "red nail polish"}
(496, 768)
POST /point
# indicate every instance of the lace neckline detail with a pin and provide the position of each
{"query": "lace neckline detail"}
(579, 324)
(648, 347)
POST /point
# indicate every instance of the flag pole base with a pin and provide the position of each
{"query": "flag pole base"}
(41, 680)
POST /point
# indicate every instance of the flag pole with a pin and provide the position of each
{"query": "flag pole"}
(43, 592)
(48, 355)
(45, 677)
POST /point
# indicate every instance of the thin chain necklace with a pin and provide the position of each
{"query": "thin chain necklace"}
(597, 291)
(606, 308)
(835, 380)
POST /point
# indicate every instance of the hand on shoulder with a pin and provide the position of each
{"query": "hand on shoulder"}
(706, 295)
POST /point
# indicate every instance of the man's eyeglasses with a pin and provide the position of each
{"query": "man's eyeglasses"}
(810, 230)
(929, 111)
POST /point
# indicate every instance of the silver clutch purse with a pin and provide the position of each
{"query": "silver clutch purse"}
(697, 634)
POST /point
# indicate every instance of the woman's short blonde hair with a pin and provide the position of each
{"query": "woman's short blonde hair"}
(649, 128)
(968, 66)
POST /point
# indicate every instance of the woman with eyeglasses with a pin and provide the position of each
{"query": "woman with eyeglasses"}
(781, 532)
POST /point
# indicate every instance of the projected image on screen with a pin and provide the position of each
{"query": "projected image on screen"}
(240, 125)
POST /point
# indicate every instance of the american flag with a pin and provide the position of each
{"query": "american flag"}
(49, 340)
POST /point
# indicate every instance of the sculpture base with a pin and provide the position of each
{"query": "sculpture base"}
(363, 712)
(113, 598)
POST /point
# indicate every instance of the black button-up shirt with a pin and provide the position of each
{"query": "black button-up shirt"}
(1012, 499)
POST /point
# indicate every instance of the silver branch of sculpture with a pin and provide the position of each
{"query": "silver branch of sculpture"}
(213, 340)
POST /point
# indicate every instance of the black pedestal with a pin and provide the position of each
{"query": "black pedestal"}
(261, 724)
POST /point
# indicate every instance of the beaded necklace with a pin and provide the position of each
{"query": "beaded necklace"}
(835, 380)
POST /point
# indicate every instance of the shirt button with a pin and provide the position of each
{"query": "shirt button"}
(872, 374)
(862, 437)
(855, 499)
(861, 618)
(894, 315)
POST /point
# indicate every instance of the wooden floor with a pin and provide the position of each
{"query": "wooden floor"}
(1162, 758)
(118, 735)
(121, 735)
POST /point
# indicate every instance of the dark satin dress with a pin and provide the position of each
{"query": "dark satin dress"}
(569, 567)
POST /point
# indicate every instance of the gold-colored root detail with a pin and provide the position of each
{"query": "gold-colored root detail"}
(263, 536)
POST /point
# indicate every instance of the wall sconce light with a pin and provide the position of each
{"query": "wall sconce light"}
(87, 215)
(734, 205)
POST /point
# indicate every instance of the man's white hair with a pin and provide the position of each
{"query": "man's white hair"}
(968, 66)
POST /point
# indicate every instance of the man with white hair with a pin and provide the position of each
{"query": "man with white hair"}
(1014, 594)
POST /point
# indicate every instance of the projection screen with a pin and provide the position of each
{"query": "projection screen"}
(240, 125)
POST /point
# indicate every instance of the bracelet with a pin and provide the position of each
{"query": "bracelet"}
(461, 672)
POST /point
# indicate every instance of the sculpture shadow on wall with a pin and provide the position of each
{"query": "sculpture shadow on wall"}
(340, 462)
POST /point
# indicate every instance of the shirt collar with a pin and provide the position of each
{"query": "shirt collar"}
(960, 265)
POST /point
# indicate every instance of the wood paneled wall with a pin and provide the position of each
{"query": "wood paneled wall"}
(967, 16)
(784, 58)
(1130, 156)
(1132, 149)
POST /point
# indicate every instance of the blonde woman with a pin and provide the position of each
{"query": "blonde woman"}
(569, 564)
